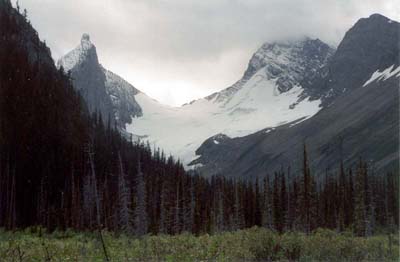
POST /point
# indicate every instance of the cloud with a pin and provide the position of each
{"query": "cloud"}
(178, 50)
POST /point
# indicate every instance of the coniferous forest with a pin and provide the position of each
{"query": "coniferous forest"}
(61, 168)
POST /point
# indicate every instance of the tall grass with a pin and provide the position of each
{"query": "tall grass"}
(255, 244)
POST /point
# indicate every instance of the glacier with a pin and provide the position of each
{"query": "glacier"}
(258, 104)
(269, 94)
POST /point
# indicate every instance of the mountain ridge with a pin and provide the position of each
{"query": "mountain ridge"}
(103, 90)
(271, 96)
(347, 127)
(285, 83)
(269, 54)
(371, 44)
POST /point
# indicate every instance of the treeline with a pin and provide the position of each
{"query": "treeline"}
(362, 202)
(61, 168)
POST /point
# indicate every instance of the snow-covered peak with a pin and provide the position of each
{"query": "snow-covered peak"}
(181, 130)
(289, 63)
(103, 91)
(268, 95)
(77, 55)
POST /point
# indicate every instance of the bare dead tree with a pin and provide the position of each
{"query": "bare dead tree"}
(177, 213)
(190, 205)
(124, 195)
(141, 220)
(12, 210)
(88, 201)
(238, 216)
(163, 210)
(93, 173)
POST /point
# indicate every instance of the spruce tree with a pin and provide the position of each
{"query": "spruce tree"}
(219, 210)
(238, 216)
(283, 203)
(163, 210)
(258, 204)
(359, 202)
(350, 199)
(342, 198)
(124, 195)
(277, 210)
(267, 204)
(314, 199)
(305, 194)
(140, 212)
(177, 212)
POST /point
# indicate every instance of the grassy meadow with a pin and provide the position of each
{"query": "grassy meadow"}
(255, 244)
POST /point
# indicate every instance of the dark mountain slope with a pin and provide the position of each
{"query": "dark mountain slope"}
(89, 79)
(103, 91)
(42, 120)
(359, 122)
(53, 153)
(370, 131)
(371, 44)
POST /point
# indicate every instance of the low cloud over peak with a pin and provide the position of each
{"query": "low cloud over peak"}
(179, 50)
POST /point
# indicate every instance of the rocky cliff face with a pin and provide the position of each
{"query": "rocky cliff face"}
(371, 44)
(122, 96)
(288, 63)
(359, 91)
(268, 95)
(103, 91)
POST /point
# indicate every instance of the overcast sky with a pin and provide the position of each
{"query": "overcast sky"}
(179, 50)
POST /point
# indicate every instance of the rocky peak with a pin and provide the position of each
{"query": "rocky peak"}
(85, 38)
(86, 45)
(289, 62)
(371, 44)
(85, 51)
(103, 91)
(88, 77)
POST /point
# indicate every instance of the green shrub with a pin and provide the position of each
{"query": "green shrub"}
(254, 244)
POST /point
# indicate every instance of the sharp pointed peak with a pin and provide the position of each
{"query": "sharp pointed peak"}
(85, 38)
(85, 42)
(83, 51)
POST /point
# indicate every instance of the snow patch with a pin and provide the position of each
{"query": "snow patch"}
(385, 74)
(298, 121)
(181, 130)
(268, 95)
(195, 166)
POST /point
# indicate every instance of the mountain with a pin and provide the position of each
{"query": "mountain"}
(56, 159)
(290, 63)
(63, 169)
(104, 91)
(269, 94)
(371, 44)
(122, 96)
(359, 90)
